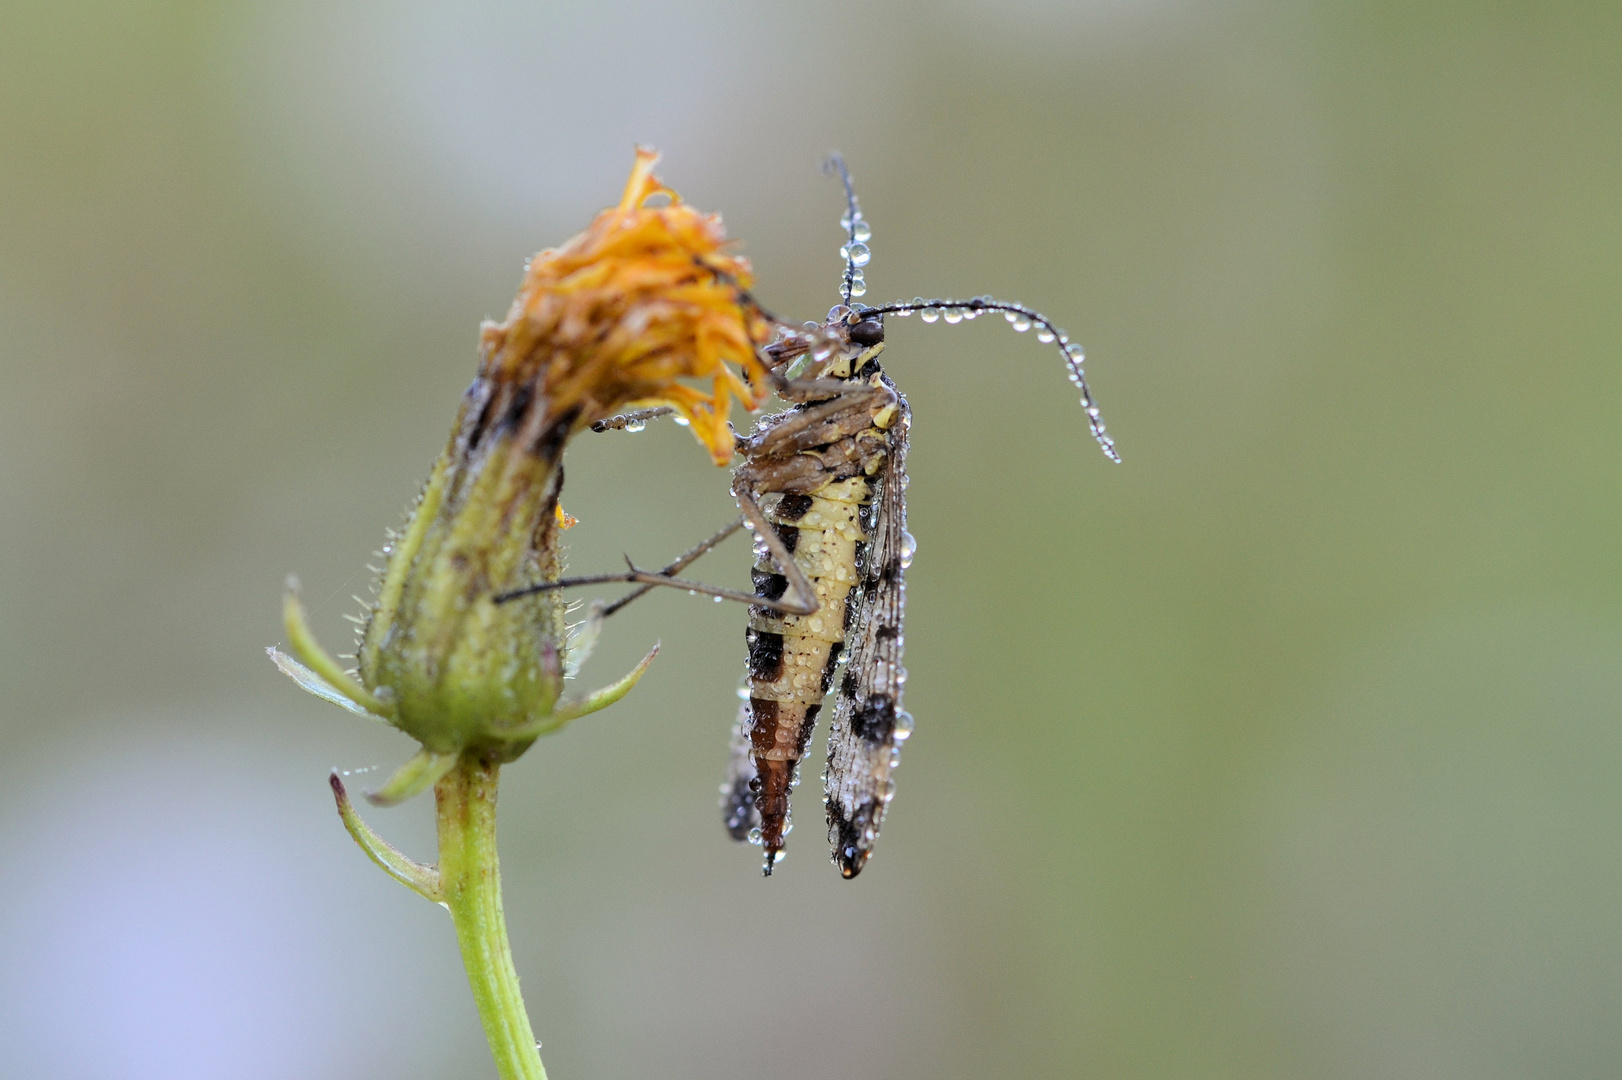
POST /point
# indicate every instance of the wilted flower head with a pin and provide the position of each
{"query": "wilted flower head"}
(615, 317)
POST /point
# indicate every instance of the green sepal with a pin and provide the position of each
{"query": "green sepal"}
(319, 661)
(315, 684)
(414, 777)
(583, 638)
(420, 879)
(602, 699)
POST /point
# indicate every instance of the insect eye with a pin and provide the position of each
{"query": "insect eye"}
(867, 333)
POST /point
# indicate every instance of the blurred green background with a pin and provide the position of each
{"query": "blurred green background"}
(1289, 748)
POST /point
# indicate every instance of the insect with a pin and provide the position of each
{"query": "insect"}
(822, 484)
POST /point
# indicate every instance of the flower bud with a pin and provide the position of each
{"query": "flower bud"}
(613, 319)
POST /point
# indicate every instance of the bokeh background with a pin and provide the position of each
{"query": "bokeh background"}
(1292, 747)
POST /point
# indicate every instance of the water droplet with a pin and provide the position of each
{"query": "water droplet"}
(918, 302)
(970, 314)
(1044, 335)
(756, 837)
(837, 313)
(909, 548)
(718, 599)
(1092, 411)
(858, 287)
(1064, 338)
(954, 315)
(903, 313)
(1011, 316)
(859, 254)
(930, 314)
(1075, 353)
(743, 691)
(861, 231)
(634, 426)
(900, 675)
(889, 790)
(903, 726)
(683, 421)
(1021, 323)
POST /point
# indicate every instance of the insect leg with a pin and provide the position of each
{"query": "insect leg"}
(680, 564)
(631, 421)
(781, 556)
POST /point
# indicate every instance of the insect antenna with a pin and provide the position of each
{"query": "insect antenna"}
(1021, 318)
(857, 232)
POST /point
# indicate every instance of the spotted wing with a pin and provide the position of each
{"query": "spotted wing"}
(738, 791)
(868, 722)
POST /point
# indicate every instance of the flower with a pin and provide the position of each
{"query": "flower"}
(646, 296)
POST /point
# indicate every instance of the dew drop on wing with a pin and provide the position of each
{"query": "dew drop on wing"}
(903, 726)
(909, 548)
(889, 790)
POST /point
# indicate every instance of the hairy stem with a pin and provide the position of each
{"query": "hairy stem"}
(470, 884)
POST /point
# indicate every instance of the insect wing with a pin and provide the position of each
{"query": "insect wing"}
(738, 792)
(868, 723)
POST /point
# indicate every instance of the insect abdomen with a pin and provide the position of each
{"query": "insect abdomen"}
(792, 657)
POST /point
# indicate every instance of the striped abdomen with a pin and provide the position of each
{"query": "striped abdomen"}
(792, 657)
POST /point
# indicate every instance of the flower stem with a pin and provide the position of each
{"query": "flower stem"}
(470, 883)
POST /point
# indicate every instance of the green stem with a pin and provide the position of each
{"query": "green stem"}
(470, 884)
